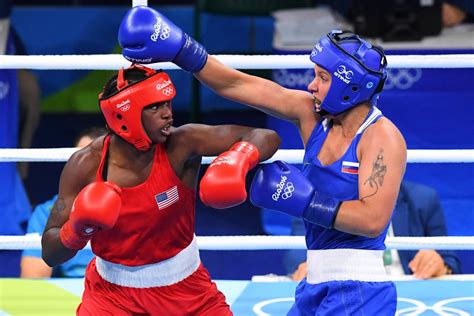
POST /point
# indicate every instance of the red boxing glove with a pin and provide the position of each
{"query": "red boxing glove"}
(223, 185)
(97, 206)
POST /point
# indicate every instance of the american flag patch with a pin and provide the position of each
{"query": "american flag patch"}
(350, 167)
(167, 198)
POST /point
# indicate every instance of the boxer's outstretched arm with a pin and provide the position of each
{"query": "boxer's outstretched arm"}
(265, 95)
(147, 36)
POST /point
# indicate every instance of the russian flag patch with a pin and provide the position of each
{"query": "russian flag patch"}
(350, 167)
(167, 198)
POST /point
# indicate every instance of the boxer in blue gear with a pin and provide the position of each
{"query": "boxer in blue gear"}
(354, 162)
(361, 269)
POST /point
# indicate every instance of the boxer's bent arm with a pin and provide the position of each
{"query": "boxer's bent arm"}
(382, 155)
(259, 93)
(53, 251)
(73, 179)
(207, 140)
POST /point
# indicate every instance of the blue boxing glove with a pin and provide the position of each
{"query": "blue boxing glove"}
(284, 188)
(147, 36)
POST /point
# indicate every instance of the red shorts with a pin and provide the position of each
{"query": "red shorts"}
(195, 295)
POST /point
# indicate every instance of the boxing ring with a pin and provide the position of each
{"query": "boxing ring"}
(448, 295)
(445, 296)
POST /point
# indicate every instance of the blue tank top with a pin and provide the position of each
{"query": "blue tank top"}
(340, 179)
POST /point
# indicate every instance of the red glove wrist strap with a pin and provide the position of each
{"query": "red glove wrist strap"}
(70, 239)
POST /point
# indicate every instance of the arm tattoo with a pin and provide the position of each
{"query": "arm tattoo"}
(59, 206)
(379, 169)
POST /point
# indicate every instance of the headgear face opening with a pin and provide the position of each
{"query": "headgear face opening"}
(358, 70)
(123, 109)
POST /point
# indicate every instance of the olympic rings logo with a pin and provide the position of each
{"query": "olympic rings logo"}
(397, 78)
(288, 191)
(124, 106)
(165, 32)
(402, 79)
(258, 308)
(286, 187)
(293, 79)
(438, 308)
(161, 30)
(168, 91)
(348, 74)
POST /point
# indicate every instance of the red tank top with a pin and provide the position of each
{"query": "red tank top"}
(156, 220)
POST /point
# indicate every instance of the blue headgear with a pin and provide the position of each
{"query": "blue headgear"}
(358, 70)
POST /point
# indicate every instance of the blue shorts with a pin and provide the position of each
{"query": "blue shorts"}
(352, 298)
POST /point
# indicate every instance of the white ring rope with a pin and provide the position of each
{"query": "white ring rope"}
(116, 61)
(288, 155)
(136, 3)
(33, 241)
(36, 154)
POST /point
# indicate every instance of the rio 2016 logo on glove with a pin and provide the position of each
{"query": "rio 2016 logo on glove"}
(222, 161)
(160, 27)
(286, 188)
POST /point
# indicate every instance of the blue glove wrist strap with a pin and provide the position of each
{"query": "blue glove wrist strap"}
(193, 55)
(322, 210)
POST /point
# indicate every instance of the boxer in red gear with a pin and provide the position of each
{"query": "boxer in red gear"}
(147, 261)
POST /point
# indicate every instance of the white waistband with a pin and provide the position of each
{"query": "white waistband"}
(345, 264)
(167, 272)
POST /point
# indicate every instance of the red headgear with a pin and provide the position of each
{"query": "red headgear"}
(123, 109)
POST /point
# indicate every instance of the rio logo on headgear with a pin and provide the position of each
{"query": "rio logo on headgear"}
(124, 106)
(163, 85)
(317, 48)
